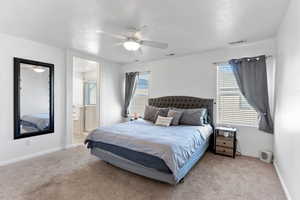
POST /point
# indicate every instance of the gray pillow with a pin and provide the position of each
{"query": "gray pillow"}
(162, 112)
(176, 114)
(151, 113)
(194, 117)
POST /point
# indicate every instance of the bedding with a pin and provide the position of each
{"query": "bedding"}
(151, 113)
(194, 117)
(176, 116)
(174, 145)
(35, 122)
(162, 112)
(163, 121)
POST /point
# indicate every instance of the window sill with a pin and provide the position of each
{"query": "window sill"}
(236, 125)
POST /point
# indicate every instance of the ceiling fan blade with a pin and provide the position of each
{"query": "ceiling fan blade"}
(137, 32)
(120, 37)
(154, 44)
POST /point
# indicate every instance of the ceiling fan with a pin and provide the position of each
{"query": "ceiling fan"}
(132, 41)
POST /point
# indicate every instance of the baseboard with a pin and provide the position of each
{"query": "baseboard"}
(73, 145)
(2, 163)
(286, 192)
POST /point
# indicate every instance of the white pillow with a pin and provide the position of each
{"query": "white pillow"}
(163, 121)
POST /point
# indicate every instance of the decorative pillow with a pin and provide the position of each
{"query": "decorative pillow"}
(194, 117)
(163, 121)
(176, 114)
(151, 113)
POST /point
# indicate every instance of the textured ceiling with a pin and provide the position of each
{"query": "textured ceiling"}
(187, 26)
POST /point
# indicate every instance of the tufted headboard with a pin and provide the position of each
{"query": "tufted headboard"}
(184, 102)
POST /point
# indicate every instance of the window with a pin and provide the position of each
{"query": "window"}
(140, 98)
(232, 107)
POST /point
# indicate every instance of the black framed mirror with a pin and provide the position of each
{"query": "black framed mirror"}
(33, 98)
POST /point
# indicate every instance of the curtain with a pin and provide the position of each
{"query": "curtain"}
(130, 85)
(251, 77)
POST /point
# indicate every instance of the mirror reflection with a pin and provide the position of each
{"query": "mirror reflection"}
(34, 98)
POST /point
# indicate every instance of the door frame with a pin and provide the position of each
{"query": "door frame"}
(67, 141)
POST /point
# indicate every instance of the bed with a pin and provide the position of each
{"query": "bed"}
(35, 122)
(165, 154)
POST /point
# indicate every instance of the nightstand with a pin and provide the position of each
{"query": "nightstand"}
(225, 141)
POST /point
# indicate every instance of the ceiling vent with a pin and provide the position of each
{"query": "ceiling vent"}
(238, 42)
(171, 54)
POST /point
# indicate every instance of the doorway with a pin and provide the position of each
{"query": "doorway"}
(86, 94)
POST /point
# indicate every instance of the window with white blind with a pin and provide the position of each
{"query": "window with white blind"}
(232, 107)
(141, 95)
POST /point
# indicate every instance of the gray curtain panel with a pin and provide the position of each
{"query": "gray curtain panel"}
(130, 85)
(251, 77)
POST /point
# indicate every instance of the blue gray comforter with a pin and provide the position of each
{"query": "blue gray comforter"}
(174, 145)
(37, 121)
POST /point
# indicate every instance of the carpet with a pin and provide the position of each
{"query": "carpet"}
(74, 174)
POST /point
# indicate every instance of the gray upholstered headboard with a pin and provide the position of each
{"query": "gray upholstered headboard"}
(184, 102)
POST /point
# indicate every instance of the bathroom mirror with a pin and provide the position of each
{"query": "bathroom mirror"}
(33, 98)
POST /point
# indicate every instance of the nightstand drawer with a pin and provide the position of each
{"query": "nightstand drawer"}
(224, 150)
(224, 143)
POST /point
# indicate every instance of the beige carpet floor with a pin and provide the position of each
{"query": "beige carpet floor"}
(74, 174)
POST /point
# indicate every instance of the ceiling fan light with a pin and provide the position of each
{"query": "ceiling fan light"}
(38, 70)
(131, 45)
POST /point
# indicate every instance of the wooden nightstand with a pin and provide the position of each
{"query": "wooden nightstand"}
(225, 145)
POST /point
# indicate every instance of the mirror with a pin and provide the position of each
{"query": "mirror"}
(90, 92)
(33, 98)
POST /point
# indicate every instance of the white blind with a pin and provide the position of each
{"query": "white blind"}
(141, 95)
(232, 107)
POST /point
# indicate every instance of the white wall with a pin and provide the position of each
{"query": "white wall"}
(195, 75)
(10, 47)
(287, 129)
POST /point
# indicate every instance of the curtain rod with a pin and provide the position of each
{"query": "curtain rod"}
(226, 62)
(143, 72)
